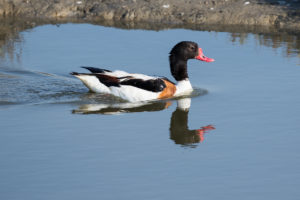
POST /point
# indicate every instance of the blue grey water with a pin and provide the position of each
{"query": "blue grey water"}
(51, 148)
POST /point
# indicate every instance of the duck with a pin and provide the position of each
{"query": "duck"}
(134, 87)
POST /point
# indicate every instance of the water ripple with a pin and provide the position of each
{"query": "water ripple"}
(27, 87)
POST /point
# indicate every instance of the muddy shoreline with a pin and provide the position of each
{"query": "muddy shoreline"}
(257, 15)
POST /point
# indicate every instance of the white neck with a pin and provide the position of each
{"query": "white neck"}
(183, 87)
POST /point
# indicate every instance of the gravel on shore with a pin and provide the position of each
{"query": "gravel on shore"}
(270, 14)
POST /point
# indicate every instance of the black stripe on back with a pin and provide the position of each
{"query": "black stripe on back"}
(153, 85)
(95, 70)
(107, 80)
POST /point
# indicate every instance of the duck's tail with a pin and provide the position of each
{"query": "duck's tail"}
(98, 83)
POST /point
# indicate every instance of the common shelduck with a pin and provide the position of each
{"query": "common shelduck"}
(139, 87)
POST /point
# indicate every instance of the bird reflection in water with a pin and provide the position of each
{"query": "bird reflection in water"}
(179, 130)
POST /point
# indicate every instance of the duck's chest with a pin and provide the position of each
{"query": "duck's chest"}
(183, 87)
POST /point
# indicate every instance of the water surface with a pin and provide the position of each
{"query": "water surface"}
(58, 141)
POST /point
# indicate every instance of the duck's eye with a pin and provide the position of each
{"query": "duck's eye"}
(192, 48)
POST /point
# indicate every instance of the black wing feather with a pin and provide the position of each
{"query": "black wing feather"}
(108, 80)
(153, 85)
(96, 70)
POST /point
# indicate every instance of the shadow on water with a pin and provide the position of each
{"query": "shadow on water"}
(265, 36)
(290, 43)
(11, 40)
(106, 104)
(179, 130)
